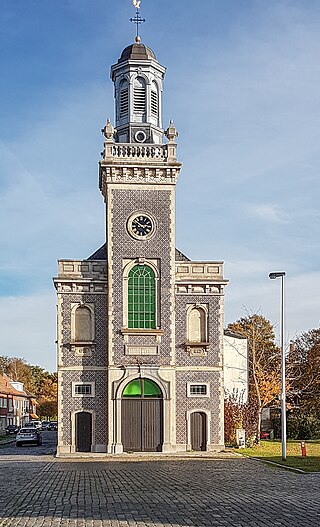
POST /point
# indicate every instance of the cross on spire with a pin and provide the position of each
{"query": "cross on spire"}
(137, 19)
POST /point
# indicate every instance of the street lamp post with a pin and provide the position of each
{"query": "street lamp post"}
(273, 276)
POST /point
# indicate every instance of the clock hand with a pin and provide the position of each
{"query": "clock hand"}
(140, 224)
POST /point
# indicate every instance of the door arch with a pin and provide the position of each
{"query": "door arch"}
(83, 431)
(142, 416)
(198, 431)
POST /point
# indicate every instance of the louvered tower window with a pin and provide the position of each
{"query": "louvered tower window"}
(124, 99)
(154, 99)
(141, 298)
(139, 96)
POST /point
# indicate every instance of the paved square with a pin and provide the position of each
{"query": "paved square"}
(145, 492)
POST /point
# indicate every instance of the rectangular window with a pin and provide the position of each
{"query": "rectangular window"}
(83, 389)
(198, 390)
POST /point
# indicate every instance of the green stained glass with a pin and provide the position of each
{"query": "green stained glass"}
(142, 388)
(141, 297)
(133, 389)
(151, 389)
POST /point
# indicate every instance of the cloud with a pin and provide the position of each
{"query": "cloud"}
(269, 212)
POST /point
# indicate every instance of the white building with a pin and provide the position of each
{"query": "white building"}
(235, 350)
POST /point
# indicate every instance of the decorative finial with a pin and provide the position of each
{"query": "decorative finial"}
(137, 19)
(108, 131)
(171, 133)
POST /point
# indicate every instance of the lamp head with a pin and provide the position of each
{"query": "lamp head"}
(273, 276)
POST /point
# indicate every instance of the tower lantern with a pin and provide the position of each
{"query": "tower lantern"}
(138, 79)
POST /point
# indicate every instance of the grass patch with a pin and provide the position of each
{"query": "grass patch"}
(5, 438)
(271, 451)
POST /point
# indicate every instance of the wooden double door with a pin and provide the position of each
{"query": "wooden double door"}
(142, 424)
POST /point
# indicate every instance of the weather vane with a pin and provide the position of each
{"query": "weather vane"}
(137, 19)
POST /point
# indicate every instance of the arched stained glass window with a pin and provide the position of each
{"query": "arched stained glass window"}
(141, 298)
(142, 388)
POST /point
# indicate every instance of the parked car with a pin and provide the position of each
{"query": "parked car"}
(28, 435)
(12, 429)
(53, 425)
(44, 425)
(34, 424)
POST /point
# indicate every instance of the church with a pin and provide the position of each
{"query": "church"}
(140, 325)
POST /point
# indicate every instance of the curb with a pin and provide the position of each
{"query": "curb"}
(144, 456)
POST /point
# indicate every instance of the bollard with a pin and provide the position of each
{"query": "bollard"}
(303, 449)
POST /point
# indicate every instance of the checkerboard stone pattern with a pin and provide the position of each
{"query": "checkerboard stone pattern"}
(86, 365)
(157, 203)
(99, 357)
(95, 404)
(211, 404)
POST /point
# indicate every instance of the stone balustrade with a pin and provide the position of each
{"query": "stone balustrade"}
(145, 152)
(138, 153)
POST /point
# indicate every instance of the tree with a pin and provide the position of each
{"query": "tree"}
(47, 397)
(239, 415)
(304, 371)
(40, 383)
(17, 369)
(264, 362)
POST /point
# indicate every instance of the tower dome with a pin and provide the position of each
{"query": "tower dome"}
(137, 52)
(138, 78)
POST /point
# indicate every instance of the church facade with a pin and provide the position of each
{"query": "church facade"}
(140, 326)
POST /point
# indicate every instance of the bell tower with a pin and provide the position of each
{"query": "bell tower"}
(137, 177)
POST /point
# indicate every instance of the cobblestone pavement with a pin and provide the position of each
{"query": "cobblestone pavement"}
(38, 490)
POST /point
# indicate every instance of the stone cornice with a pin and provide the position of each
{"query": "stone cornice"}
(80, 286)
(154, 175)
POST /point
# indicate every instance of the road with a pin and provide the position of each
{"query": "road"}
(38, 490)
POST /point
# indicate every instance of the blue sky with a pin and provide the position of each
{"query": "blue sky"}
(242, 86)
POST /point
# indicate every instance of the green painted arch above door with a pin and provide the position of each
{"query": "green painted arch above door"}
(142, 388)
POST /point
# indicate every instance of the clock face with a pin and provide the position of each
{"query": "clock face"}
(140, 226)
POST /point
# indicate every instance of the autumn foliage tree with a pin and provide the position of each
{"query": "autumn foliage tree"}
(40, 383)
(239, 415)
(303, 367)
(47, 397)
(264, 362)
